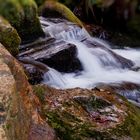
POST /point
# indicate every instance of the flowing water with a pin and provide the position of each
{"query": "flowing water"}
(101, 65)
(92, 60)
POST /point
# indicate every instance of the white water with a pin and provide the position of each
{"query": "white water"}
(93, 72)
(92, 59)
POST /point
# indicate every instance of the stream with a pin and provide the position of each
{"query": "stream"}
(101, 64)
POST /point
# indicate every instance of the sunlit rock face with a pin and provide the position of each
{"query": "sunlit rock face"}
(19, 107)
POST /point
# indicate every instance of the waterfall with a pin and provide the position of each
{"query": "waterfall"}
(54, 78)
(99, 65)
(93, 73)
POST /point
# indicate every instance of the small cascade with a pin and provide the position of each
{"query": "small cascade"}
(64, 29)
(100, 63)
(95, 73)
(54, 78)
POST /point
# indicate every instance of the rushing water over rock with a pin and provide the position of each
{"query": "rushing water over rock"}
(100, 64)
(75, 59)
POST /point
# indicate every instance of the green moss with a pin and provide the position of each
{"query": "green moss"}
(77, 130)
(91, 103)
(55, 8)
(12, 11)
(9, 37)
(63, 130)
(71, 119)
(131, 125)
(40, 93)
(30, 27)
(8, 126)
(66, 131)
(22, 14)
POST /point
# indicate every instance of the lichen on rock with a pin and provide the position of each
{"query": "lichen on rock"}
(79, 114)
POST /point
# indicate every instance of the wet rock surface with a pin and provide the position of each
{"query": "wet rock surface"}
(56, 54)
(34, 74)
(127, 89)
(88, 114)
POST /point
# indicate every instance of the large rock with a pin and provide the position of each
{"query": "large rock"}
(22, 14)
(9, 37)
(34, 70)
(59, 55)
(55, 9)
(89, 114)
(19, 107)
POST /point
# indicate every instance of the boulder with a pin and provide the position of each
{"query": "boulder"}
(55, 9)
(89, 114)
(9, 37)
(19, 107)
(59, 55)
(34, 70)
(23, 16)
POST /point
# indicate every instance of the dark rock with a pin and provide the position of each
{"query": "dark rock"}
(34, 74)
(34, 70)
(65, 60)
(57, 54)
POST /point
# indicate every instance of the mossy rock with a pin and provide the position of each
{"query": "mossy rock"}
(56, 9)
(81, 114)
(22, 14)
(9, 37)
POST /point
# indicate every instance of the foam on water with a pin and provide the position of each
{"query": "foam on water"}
(93, 71)
(92, 59)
